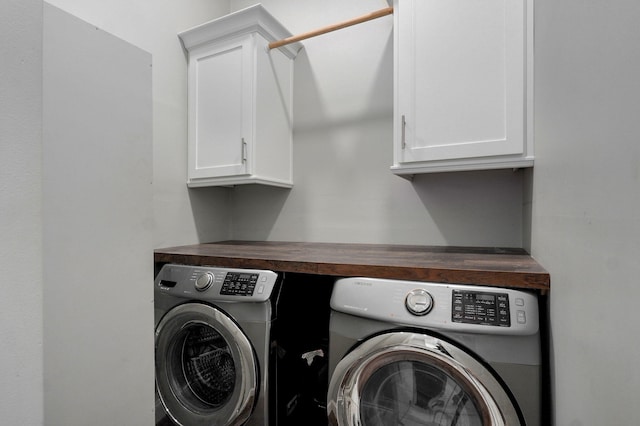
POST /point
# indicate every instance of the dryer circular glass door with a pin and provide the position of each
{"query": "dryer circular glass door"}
(415, 379)
(206, 371)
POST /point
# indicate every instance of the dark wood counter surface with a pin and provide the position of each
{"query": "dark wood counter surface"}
(503, 267)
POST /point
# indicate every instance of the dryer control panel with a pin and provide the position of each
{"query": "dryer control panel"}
(216, 284)
(439, 306)
(480, 307)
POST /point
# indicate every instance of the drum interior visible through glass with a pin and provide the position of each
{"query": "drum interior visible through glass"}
(205, 361)
(412, 393)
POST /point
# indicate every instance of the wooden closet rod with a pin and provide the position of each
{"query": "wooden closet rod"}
(368, 17)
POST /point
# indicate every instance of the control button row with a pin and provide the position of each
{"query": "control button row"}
(241, 289)
(521, 317)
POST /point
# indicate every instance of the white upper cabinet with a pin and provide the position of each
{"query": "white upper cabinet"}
(463, 85)
(240, 99)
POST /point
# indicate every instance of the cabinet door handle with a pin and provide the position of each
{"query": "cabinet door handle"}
(244, 151)
(403, 139)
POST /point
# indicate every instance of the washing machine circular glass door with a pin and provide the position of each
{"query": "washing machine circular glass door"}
(415, 379)
(206, 371)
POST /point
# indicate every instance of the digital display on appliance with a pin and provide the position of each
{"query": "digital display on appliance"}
(239, 284)
(478, 307)
(485, 297)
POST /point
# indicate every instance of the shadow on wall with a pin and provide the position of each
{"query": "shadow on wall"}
(256, 208)
(527, 207)
(464, 205)
(212, 222)
(329, 92)
(341, 148)
(343, 136)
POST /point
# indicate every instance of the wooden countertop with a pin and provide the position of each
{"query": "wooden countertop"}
(502, 267)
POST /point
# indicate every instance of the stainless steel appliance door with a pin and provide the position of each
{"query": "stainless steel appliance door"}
(206, 371)
(415, 379)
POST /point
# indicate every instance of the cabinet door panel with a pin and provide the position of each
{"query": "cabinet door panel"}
(240, 98)
(461, 78)
(221, 108)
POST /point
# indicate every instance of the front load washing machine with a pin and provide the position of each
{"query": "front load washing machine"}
(416, 353)
(213, 343)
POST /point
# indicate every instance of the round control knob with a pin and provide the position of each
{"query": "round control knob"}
(204, 281)
(419, 302)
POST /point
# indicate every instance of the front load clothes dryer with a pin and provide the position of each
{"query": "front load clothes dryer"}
(213, 337)
(415, 353)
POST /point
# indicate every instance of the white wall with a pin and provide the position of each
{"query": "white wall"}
(98, 219)
(97, 226)
(181, 216)
(342, 149)
(586, 203)
(21, 212)
(343, 189)
(585, 199)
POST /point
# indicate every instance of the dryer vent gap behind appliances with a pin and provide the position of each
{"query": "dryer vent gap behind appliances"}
(213, 344)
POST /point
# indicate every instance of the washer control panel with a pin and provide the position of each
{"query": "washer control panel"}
(480, 307)
(210, 283)
(240, 284)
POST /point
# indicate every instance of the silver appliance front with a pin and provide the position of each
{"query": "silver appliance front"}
(409, 352)
(415, 379)
(206, 371)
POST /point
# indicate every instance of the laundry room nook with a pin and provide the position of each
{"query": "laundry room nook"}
(276, 212)
(423, 338)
